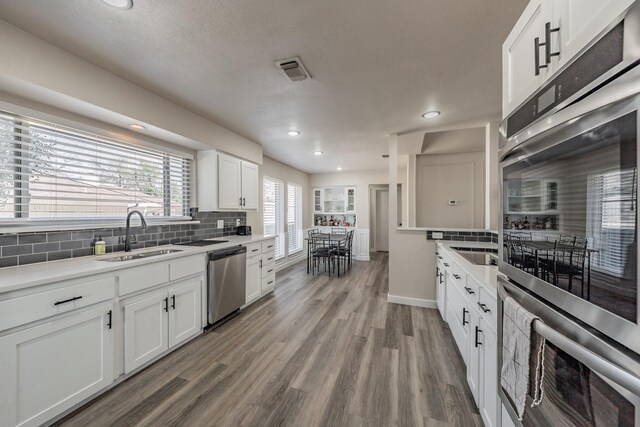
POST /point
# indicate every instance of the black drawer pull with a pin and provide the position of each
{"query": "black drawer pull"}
(484, 308)
(469, 290)
(439, 257)
(270, 282)
(446, 265)
(269, 247)
(464, 316)
(456, 276)
(255, 250)
(66, 301)
(109, 317)
(478, 330)
(269, 259)
(269, 271)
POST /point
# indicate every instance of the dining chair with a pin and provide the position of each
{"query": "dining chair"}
(321, 251)
(572, 265)
(522, 257)
(344, 251)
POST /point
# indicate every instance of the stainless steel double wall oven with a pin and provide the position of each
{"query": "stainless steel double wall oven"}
(569, 231)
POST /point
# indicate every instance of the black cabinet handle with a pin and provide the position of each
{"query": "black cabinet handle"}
(244, 201)
(240, 201)
(269, 259)
(536, 46)
(67, 300)
(437, 271)
(109, 318)
(269, 271)
(464, 316)
(446, 265)
(173, 302)
(440, 277)
(478, 330)
(456, 276)
(255, 250)
(469, 290)
(166, 304)
(547, 42)
(484, 308)
(260, 263)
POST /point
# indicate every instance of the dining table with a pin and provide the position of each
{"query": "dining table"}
(546, 247)
(326, 238)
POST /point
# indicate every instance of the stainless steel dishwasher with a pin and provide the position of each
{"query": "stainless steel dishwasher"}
(226, 282)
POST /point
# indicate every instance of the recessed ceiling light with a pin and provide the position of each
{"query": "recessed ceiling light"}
(339, 168)
(318, 153)
(294, 132)
(120, 4)
(135, 126)
(431, 114)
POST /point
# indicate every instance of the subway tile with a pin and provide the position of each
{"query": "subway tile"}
(46, 247)
(56, 256)
(31, 259)
(82, 252)
(70, 245)
(26, 239)
(9, 240)
(150, 243)
(11, 261)
(58, 236)
(82, 235)
(17, 250)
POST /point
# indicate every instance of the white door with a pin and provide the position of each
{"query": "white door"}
(254, 278)
(382, 221)
(519, 79)
(47, 369)
(249, 185)
(579, 22)
(475, 342)
(489, 402)
(145, 329)
(229, 182)
(185, 310)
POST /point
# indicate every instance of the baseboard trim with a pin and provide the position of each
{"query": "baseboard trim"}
(417, 302)
(363, 258)
(291, 261)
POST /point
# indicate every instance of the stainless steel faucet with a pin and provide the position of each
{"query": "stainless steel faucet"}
(127, 238)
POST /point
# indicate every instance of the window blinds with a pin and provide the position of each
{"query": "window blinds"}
(50, 172)
(294, 218)
(272, 212)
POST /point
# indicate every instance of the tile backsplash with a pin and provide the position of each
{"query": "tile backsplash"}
(465, 236)
(29, 248)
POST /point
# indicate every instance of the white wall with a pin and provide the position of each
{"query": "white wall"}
(42, 72)
(275, 169)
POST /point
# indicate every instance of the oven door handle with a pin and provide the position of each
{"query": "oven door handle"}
(604, 367)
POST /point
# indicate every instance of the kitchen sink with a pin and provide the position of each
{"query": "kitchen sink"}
(480, 258)
(141, 255)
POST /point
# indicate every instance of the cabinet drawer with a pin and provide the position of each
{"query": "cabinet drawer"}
(268, 283)
(268, 257)
(20, 311)
(268, 269)
(488, 307)
(184, 267)
(254, 250)
(138, 278)
(269, 245)
(472, 289)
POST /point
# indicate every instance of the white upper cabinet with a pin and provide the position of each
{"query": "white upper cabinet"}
(520, 76)
(226, 182)
(249, 186)
(317, 200)
(548, 35)
(579, 22)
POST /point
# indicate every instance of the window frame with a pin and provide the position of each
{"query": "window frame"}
(297, 215)
(279, 215)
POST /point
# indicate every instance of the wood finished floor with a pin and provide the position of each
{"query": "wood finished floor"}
(319, 352)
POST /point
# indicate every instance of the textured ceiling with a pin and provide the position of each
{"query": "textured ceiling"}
(376, 64)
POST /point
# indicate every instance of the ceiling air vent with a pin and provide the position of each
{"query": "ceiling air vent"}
(293, 69)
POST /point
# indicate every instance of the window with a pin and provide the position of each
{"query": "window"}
(272, 215)
(611, 218)
(294, 218)
(52, 173)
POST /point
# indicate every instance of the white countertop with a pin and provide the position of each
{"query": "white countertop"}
(21, 277)
(487, 275)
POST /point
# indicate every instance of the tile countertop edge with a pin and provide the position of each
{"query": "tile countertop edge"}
(31, 275)
(486, 275)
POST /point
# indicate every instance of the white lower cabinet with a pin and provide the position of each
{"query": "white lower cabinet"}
(489, 404)
(254, 278)
(474, 344)
(159, 320)
(48, 368)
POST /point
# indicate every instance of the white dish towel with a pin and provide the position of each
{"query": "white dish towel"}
(516, 353)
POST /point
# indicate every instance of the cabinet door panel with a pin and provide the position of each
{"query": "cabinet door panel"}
(489, 402)
(518, 55)
(476, 343)
(249, 185)
(185, 311)
(579, 22)
(145, 330)
(254, 279)
(229, 179)
(47, 369)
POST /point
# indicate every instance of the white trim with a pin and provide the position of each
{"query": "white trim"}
(363, 258)
(289, 261)
(417, 302)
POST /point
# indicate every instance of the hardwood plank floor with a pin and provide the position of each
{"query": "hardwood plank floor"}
(320, 351)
